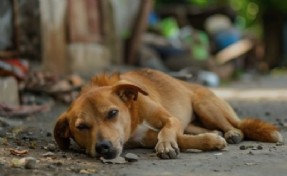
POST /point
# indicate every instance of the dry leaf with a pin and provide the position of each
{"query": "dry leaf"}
(18, 152)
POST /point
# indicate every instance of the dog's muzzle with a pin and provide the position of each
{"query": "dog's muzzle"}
(105, 149)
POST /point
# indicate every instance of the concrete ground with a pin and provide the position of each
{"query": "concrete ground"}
(262, 97)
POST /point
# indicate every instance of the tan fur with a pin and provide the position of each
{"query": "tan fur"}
(258, 130)
(153, 110)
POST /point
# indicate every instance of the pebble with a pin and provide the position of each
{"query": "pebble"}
(59, 163)
(48, 134)
(51, 147)
(3, 141)
(254, 148)
(250, 164)
(87, 171)
(30, 163)
(242, 147)
(51, 167)
(74, 169)
(279, 143)
(27, 162)
(218, 154)
(48, 154)
(118, 160)
(130, 157)
(2, 163)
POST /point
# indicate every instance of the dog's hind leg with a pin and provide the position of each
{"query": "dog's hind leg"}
(205, 142)
(195, 129)
(215, 114)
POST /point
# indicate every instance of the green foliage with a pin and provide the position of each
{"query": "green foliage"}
(249, 11)
(279, 5)
(201, 3)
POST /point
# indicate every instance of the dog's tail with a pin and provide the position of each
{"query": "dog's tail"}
(258, 130)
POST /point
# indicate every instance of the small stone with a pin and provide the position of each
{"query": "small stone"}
(2, 165)
(259, 147)
(30, 163)
(27, 162)
(32, 145)
(48, 134)
(75, 169)
(250, 164)
(242, 147)
(87, 171)
(48, 154)
(15, 162)
(59, 163)
(51, 147)
(3, 141)
(218, 154)
(53, 167)
(279, 143)
(254, 148)
(250, 153)
(118, 160)
(130, 157)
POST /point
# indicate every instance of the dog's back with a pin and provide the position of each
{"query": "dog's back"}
(171, 93)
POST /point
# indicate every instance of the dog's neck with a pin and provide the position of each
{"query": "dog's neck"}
(136, 119)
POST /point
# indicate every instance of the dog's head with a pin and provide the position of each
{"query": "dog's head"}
(99, 120)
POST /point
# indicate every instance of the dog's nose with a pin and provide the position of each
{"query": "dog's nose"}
(103, 147)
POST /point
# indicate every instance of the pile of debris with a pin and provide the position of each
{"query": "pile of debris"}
(24, 92)
(216, 52)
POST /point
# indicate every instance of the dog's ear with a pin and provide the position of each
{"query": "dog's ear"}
(62, 132)
(128, 92)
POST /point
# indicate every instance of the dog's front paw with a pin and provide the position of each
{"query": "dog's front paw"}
(167, 150)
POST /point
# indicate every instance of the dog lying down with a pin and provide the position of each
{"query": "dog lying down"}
(150, 109)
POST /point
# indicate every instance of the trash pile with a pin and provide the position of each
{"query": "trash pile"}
(24, 92)
(204, 56)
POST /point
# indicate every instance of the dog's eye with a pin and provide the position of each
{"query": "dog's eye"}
(82, 126)
(112, 113)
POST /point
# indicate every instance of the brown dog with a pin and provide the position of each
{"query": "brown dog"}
(150, 109)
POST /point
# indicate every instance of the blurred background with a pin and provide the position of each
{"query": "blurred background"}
(52, 47)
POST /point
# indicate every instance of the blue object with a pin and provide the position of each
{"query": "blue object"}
(153, 19)
(168, 51)
(226, 38)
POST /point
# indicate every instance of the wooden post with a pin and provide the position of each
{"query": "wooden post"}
(53, 17)
(16, 24)
(111, 39)
(138, 29)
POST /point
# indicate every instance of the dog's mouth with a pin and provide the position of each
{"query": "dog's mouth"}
(110, 155)
(106, 150)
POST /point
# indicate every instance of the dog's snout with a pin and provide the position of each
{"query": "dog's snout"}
(103, 147)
